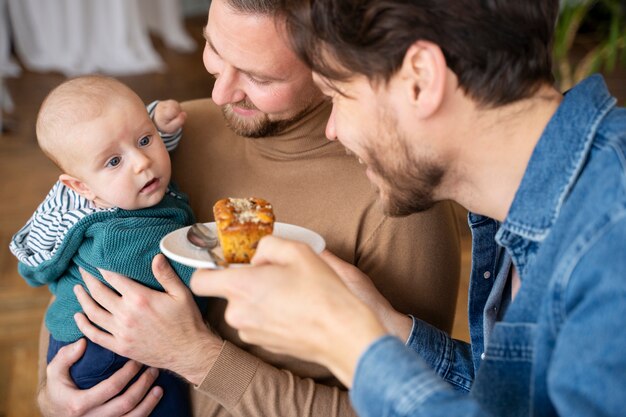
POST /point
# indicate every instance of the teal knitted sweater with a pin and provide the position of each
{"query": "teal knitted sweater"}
(117, 240)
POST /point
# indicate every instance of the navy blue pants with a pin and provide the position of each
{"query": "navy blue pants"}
(98, 363)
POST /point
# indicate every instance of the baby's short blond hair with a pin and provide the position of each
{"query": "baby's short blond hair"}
(75, 101)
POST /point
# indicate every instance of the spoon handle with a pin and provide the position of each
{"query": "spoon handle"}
(218, 260)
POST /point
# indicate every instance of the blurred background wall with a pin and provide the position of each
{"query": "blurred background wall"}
(195, 7)
(83, 36)
(74, 37)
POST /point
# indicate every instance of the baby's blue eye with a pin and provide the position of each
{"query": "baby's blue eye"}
(113, 162)
(145, 141)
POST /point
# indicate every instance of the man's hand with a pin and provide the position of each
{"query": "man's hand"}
(169, 116)
(362, 286)
(59, 396)
(292, 302)
(160, 329)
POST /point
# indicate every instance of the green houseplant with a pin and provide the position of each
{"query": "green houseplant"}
(590, 36)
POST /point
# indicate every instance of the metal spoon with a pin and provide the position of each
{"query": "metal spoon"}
(202, 237)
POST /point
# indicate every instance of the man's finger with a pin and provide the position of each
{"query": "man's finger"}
(341, 267)
(99, 292)
(60, 365)
(147, 404)
(94, 334)
(120, 283)
(279, 251)
(218, 283)
(130, 402)
(331, 259)
(272, 252)
(96, 313)
(109, 389)
(167, 277)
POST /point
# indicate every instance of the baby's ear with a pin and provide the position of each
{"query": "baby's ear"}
(77, 185)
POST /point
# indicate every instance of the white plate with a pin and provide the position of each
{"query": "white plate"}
(176, 246)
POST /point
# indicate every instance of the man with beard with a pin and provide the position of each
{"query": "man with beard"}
(272, 146)
(455, 100)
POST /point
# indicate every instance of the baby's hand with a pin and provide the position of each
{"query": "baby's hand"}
(169, 116)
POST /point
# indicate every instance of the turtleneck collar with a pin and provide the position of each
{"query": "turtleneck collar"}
(304, 136)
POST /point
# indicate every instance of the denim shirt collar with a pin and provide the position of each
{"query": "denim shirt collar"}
(556, 162)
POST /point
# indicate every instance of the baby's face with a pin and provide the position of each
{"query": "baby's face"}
(120, 157)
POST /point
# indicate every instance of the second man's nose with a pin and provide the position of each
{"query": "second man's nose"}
(226, 88)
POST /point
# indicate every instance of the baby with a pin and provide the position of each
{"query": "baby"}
(110, 208)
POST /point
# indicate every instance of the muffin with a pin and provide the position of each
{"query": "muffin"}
(241, 223)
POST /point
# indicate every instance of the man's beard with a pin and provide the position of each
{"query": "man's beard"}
(408, 182)
(261, 125)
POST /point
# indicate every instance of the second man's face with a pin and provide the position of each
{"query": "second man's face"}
(365, 120)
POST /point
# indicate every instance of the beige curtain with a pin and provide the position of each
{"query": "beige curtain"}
(85, 36)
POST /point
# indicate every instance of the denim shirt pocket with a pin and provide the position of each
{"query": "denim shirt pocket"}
(503, 381)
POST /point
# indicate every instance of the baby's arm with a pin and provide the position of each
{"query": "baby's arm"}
(169, 116)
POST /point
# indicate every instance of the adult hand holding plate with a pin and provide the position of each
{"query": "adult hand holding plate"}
(291, 301)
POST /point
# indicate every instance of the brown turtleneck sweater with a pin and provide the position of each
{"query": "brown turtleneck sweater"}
(312, 182)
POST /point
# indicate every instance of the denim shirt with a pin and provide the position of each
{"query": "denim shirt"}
(560, 346)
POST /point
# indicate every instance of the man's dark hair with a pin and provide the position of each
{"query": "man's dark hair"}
(500, 50)
(263, 7)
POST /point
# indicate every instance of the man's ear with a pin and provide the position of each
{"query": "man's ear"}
(424, 73)
(78, 186)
